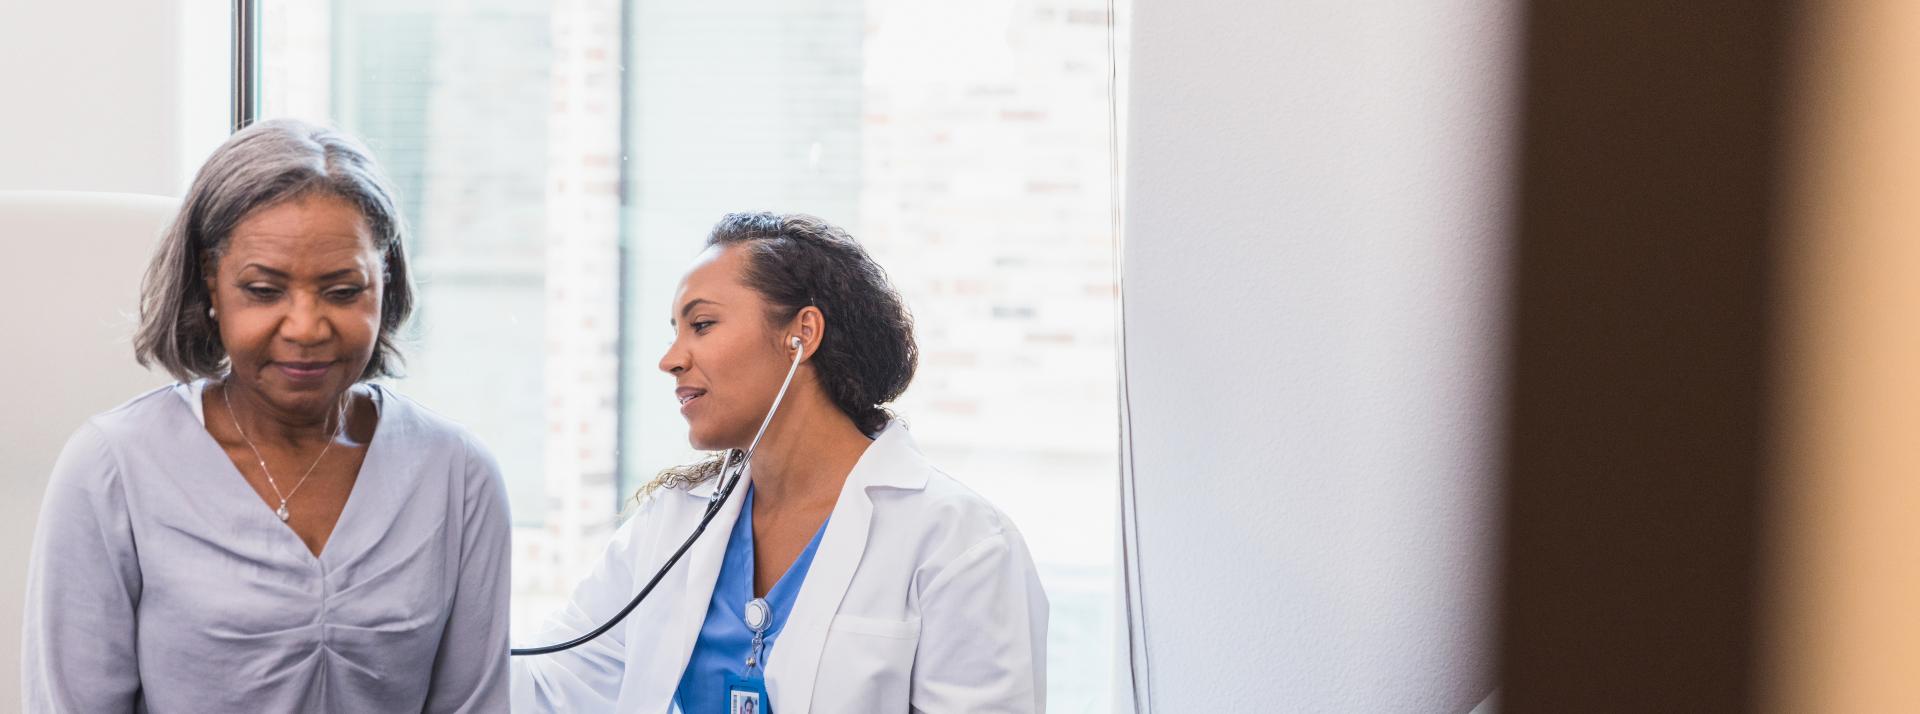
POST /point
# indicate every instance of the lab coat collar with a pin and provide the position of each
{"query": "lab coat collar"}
(704, 489)
(892, 461)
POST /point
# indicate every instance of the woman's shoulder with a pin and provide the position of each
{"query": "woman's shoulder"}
(424, 426)
(924, 494)
(948, 499)
(427, 431)
(953, 530)
(950, 517)
(94, 453)
(136, 417)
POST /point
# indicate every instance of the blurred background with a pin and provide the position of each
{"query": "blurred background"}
(1411, 356)
(561, 163)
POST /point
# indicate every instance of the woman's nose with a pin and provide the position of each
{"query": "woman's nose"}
(305, 323)
(675, 360)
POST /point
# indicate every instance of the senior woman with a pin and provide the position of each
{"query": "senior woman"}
(274, 533)
(849, 574)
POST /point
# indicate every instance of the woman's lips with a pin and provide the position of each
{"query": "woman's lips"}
(304, 371)
(688, 396)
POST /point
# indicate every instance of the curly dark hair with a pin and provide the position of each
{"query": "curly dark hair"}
(868, 355)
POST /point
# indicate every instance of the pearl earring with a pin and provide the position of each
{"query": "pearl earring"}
(212, 315)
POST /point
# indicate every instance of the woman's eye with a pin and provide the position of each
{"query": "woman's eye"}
(345, 294)
(702, 326)
(262, 292)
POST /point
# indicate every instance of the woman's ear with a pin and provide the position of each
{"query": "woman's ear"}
(810, 325)
(207, 268)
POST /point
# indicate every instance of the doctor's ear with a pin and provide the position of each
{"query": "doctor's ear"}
(806, 330)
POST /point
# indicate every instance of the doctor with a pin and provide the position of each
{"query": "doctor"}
(847, 574)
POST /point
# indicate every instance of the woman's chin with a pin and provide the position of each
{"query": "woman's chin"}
(302, 402)
(704, 440)
(697, 438)
(703, 444)
(305, 399)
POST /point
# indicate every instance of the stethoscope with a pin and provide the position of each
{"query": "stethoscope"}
(714, 503)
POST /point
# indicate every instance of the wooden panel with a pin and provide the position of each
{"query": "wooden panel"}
(1641, 357)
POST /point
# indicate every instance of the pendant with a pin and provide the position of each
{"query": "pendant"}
(283, 513)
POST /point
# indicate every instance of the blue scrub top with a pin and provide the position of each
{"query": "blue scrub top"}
(724, 638)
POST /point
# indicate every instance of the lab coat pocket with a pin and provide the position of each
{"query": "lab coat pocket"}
(867, 664)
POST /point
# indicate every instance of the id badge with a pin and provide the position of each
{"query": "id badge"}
(748, 695)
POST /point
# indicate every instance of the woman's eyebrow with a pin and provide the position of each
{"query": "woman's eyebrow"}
(687, 309)
(335, 275)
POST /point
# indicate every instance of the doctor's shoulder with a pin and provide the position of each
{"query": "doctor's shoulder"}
(946, 522)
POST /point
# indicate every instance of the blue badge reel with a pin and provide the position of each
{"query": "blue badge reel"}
(747, 693)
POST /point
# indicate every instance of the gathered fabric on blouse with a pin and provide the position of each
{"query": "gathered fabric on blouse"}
(161, 582)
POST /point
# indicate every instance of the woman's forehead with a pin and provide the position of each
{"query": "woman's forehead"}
(318, 253)
(318, 229)
(716, 276)
(305, 215)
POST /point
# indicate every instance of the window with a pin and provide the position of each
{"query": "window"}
(560, 164)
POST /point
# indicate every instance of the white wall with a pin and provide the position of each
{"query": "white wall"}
(118, 95)
(124, 96)
(1313, 280)
(80, 360)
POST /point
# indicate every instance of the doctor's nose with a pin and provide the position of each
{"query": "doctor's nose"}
(675, 359)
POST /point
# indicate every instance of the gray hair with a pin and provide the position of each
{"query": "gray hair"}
(260, 166)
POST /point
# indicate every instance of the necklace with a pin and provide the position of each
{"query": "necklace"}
(282, 511)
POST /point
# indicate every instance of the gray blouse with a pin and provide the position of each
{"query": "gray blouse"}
(162, 583)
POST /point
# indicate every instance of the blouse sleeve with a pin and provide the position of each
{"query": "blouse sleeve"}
(470, 671)
(77, 635)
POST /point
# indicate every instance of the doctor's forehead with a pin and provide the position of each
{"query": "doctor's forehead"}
(714, 278)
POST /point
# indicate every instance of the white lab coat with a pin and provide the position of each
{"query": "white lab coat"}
(922, 597)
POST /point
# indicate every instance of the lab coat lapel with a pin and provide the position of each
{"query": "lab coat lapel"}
(668, 650)
(794, 665)
(795, 660)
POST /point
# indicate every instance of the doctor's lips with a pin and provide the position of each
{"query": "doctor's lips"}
(686, 395)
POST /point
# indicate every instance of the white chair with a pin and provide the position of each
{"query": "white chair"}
(68, 316)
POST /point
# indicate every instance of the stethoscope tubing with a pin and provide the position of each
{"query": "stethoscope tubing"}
(713, 509)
